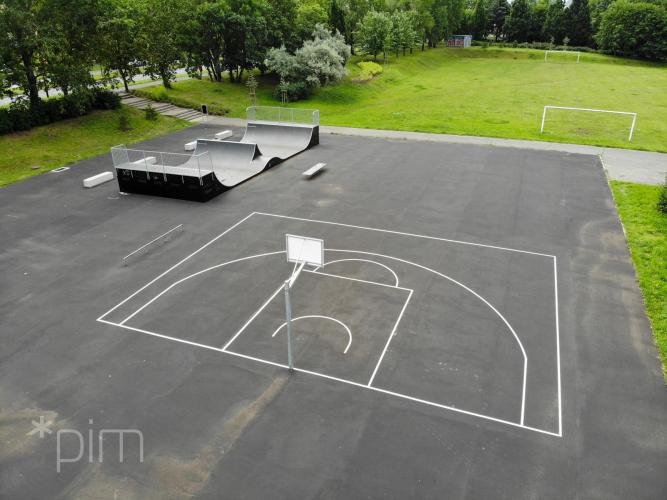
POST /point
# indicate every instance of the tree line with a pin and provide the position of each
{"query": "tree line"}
(622, 27)
(47, 44)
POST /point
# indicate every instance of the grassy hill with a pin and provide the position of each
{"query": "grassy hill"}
(477, 91)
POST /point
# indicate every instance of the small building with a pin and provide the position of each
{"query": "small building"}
(459, 41)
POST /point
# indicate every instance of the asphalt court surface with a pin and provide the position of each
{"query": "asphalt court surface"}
(452, 248)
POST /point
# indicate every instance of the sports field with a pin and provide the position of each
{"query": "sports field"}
(476, 91)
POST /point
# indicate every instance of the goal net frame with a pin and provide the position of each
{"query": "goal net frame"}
(627, 113)
(546, 53)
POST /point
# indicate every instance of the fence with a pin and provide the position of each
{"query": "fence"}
(283, 115)
(160, 161)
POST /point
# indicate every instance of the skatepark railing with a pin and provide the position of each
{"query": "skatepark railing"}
(283, 115)
(162, 162)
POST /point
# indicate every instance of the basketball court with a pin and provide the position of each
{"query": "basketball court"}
(463, 322)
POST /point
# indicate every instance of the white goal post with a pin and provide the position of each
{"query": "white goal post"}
(546, 53)
(628, 113)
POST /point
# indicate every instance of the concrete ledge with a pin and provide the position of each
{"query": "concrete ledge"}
(190, 146)
(223, 135)
(98, 179)
(313, 170)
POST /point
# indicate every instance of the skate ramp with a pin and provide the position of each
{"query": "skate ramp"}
(233, 162)
(280, 140)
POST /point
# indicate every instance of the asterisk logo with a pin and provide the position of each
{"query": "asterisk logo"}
(41, 427)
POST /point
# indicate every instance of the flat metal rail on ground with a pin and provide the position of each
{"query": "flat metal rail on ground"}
(142, 247)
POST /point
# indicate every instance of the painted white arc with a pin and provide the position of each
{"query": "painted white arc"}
(349, 333)
(507, 323)
(367, 260)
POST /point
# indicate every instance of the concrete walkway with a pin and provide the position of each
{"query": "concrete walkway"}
(620, 164)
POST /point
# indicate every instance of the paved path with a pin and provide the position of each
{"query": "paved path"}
(644, 167)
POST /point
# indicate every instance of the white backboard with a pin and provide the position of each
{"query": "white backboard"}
(303, 249)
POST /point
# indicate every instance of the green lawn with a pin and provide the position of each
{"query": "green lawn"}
(68, 141)
(485, 92)
(646, 230)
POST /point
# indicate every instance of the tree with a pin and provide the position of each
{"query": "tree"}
(317, 62)
(281, 24)
(160, 36)
(119, 45)
(245, 43)
(308, 15)
(402, 35)
(554, 24)
(579, 28)
(499, 9)
(479, 20)
(537, 19)
(203, 36)
(634, 29)
(20, 44)
(597, 8)
(518, 23)
(374, 31)
(337, 18)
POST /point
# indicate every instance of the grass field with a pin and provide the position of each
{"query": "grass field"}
(646, 230)
(68, 141)
(485, 92)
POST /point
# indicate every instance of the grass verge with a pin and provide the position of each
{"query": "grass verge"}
(483, 92)
(646, 230)
(68, 141)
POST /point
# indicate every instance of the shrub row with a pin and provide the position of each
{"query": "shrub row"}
(20, 115)
(530, 45)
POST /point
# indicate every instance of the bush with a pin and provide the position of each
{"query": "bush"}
(662, 198)
(77, 104)
(634, 29)
(296, 91)
(124, 120)
(151, 114)
(105, 99)
(21, 116)
(369, 69)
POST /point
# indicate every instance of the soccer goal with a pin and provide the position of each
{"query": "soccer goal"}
(626, 113)
(547, 52)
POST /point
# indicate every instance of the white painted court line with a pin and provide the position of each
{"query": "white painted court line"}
(560, 406)
(400, 395)
(177, 264)
(415, 264)
(404, 234)
(349, 333)
(507, 323)
(176, 283)
(356, 279)
(344, 381)
(391, 336)
(252, 318)
(366, 260)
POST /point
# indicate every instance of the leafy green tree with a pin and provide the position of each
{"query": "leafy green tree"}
(479, 20)
(634, 29)
(245, 43)
(579, 29)
(554, 24)
(203, 39)
(308, 14)
(337, 17)
(119, 39)
(281, 24)
(402, 35)
(20, 44)
(597, 8)
(537, 19)
(161, 37)
(518, 23)
(373, 33)
(498, 12)
(447, 16)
